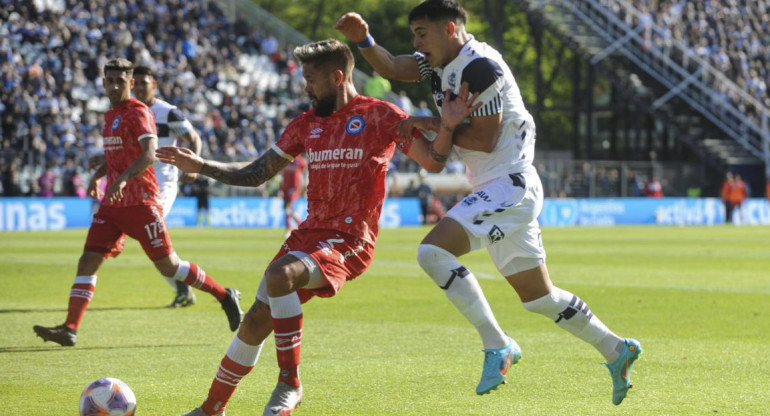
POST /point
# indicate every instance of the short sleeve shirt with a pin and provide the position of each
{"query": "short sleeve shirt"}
(347, 155)
(125, 126)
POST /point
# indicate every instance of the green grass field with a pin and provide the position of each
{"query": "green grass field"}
(390, 343)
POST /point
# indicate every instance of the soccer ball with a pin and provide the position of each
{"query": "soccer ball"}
(107, 397)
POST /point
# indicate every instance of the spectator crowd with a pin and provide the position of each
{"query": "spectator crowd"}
(240, 87)
(236, 85)
(733, 36)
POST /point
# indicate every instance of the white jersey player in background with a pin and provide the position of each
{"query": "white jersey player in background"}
(173, 128)
(498, 147)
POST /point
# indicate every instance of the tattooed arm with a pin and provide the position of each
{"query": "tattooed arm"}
(234, 173)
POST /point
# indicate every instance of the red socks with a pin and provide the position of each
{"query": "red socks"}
(80, 296)
(288, 338)
(199, 279)
(225, 382)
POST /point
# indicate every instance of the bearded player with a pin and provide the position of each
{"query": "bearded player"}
(349, 140)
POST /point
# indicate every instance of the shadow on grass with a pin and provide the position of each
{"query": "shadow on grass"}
(117, 308)
(55, 348)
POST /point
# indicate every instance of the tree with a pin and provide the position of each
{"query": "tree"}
(497, 22)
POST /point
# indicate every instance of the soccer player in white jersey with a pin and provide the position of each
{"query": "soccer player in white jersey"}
(497, 144)
(173, 129)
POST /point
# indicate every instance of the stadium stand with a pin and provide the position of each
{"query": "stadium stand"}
(730, 35)
(239, 86)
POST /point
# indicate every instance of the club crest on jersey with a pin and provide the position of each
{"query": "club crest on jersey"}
(116, 123)
(355, 125)
(452, 80)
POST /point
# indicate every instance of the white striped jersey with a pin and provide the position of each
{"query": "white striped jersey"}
(483, 68)
(170, 121)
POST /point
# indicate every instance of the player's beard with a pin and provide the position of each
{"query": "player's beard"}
(324, 106)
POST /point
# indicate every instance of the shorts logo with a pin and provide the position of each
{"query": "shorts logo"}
(354, 252)
(116, 123)
(470, 200)
(156, 243)
(355, 125)
(496, 234)
(483, 195)
(327, 246)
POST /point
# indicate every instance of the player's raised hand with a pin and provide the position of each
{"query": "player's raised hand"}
(181, 157)
(454, 111)
(353, 26)
(407, 125)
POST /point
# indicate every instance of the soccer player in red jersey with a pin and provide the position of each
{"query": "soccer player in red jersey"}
(349, 140)
(291, 186)
(131, 206)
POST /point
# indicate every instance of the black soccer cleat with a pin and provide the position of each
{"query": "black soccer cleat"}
(61, 334)
(232, 307)
(182, 300)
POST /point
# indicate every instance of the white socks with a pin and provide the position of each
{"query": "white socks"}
(243, 353)
(463, 291)
(286, 306)
(572, 314)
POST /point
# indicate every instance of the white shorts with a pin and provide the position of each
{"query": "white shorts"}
(501, 215)
(168, 191)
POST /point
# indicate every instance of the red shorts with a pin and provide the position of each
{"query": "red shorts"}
(143, 223)
(340, 256)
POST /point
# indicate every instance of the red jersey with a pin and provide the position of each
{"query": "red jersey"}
(347, 155)
(124, 126)
(292, 174)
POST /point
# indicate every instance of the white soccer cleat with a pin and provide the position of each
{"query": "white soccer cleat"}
(284, 400)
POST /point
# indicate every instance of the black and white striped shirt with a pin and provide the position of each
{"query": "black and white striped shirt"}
(483, 68)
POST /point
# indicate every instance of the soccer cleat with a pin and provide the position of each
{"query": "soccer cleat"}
(232, 307)
(183, 299)
(283, 401)
(62, 335)
(496, 365)
(199, 412)
(620, 370)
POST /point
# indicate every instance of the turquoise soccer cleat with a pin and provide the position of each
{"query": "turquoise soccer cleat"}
(496, 365)
(620, 370)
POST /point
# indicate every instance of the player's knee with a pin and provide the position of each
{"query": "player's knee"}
(89, 262)
(278, 280)
(166, 267)
(437, 262)
(429, 256)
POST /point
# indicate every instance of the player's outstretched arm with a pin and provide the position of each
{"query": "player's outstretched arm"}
(234, 173)
(400, 67)
(194, 139)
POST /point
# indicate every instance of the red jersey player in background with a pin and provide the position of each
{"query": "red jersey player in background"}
(349, 140)
(131, 206)
(291, 187)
